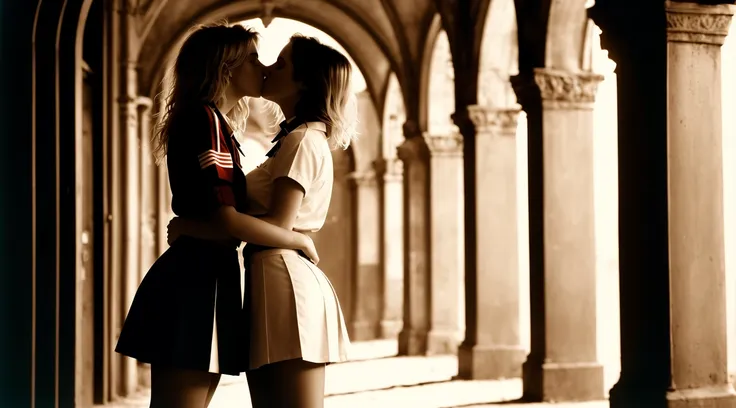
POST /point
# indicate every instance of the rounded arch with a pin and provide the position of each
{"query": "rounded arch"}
(394, 116)
(566, 35)
(441, 88)
(55, 103)
(435, 28)
(374, 57)
(498, 57)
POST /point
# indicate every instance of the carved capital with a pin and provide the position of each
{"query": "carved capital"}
(483, 120)
(444, 145)
(389, 169)
(413, 149)
(557, 89)
(363, 179)
(698, 24)
(411, 129)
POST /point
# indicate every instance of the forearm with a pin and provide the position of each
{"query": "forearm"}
(204, 230)
(257, 231)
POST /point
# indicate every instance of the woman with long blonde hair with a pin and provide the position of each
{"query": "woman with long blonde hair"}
(185, 319)
(296, 323)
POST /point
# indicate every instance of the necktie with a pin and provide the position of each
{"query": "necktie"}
(285, 130)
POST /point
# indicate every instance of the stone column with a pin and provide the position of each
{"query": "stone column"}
(492, 346)
(130, 214)
(562, 364)
(390, 175)
(147, 196)
(414, 153)
(430, 308)
(446, 245)
(695, 34)
(368, 280)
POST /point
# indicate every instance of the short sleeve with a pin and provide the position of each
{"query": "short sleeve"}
(213, 155)
(298, 159)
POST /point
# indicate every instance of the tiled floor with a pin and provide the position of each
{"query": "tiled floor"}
(374, 379)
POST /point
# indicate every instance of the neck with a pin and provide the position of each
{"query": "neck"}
(288, 108)
(228, 102)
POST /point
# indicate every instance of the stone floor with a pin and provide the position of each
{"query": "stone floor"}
(375, 377)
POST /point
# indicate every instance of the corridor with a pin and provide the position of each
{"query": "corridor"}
(376, 378)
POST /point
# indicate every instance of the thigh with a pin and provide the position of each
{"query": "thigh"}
(290, 384)
(179, 388)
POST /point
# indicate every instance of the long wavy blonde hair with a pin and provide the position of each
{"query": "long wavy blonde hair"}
(327, 97)
(201, 74)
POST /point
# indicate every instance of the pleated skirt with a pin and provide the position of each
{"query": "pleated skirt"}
(292, 310)
(187, 311)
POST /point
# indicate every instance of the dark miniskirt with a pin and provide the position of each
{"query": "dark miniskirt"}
(170, 321)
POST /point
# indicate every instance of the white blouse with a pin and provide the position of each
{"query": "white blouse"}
(305, 157)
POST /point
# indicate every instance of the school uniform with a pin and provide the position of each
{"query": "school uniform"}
(291, 306)
(187, 310)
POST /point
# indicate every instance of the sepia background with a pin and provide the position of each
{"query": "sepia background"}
(540, 207)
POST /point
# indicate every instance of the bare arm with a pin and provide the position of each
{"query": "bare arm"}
(227, 224)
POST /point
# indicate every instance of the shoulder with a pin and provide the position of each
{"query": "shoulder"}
(310, 135)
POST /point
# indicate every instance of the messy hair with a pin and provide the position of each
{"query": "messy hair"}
(201, 74)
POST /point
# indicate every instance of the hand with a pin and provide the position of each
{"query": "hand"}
(173, 230)
(309, 249)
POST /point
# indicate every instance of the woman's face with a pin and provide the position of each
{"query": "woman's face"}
(247, 78)
(279, 83)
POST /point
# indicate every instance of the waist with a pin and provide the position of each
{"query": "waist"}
(217, 245)
(257, 255)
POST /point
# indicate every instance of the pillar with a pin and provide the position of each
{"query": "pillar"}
(390, 175)
(562, 364)
(430, 307)
(446, 241)
(130, 212)
(492, 346)
(699, 372)
(368, 278)
(147, 182)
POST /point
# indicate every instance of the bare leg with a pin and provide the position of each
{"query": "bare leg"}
(177, 388)
(288, 384)
(214, 381)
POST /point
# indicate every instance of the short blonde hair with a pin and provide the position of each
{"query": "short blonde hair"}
(202, 74)
(327, 97)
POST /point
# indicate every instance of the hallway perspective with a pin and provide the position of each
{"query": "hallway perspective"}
(375, 378)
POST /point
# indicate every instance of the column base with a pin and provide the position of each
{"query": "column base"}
(390, 329)
(364, 330)
(644, 395)
(441, 342)
(476, 362)
(422, 343)
(562, 382)
(722, 396)
(412, 342)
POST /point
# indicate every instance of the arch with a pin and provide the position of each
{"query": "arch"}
(441, 92)
(372, 55)
(498, 57)
(57, 39)
(394, 116)
(566, 35)
(435, 28)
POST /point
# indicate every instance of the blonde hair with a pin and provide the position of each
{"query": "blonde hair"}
(201, 75)
(327, 97)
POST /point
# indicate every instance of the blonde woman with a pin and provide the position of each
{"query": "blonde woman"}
(186, 317)
(296, 323)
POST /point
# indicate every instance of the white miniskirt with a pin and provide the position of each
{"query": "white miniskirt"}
(294, 311)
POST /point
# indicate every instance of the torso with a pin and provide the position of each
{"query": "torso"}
(313, 211)
(191, 192)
